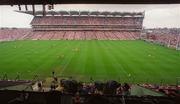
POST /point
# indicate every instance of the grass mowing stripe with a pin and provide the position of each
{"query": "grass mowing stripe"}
(84, 59)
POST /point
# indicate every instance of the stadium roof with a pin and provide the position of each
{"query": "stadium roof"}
(63, 12)
(74, 12)
(21, 2)
(94, 13)
(86, 13)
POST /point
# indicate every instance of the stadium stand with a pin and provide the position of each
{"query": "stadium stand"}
(10, 34)
(166, 89)
(73, 25)
(164, 36)
(70, 26)
(69, 91)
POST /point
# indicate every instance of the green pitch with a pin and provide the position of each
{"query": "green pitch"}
(124, 61)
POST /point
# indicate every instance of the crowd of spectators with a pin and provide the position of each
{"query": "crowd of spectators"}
(85, 35)
(170, 90)
(111, 88)
(86, 20)
(28, 34)
(70, 86)
(76, 28)
(164, 36)
(10, 34)
(73, 92)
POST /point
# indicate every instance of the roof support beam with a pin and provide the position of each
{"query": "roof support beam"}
(26, 7)
(19, 6)
(44, 10)
(33, 8)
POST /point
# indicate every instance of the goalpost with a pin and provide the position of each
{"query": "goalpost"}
(178, 41)
(4, 77)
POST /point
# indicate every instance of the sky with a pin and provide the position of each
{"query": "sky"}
(156, 16)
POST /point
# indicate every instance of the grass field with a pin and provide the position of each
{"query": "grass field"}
(125, 61)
